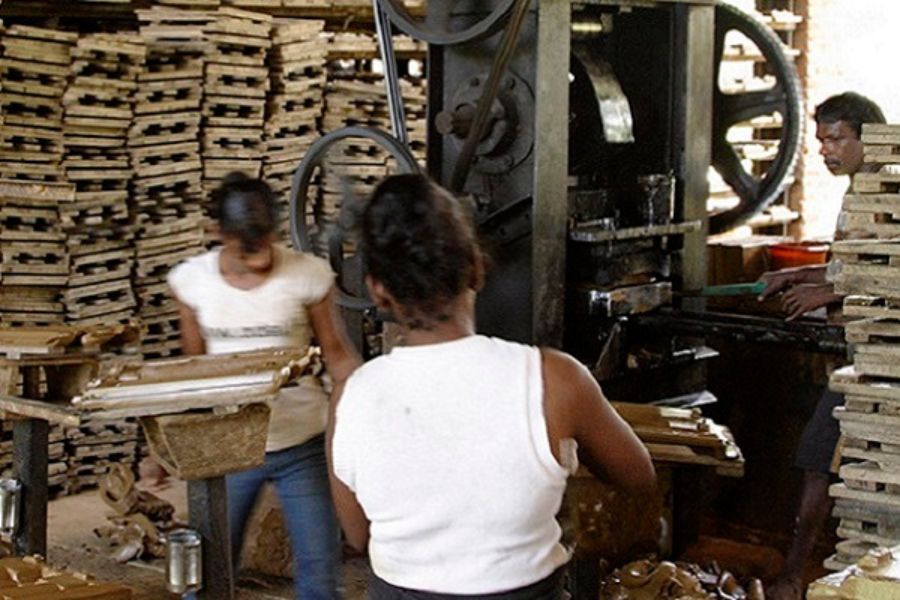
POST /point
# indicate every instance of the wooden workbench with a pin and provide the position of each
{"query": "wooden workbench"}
(207, 388)
(207, 499)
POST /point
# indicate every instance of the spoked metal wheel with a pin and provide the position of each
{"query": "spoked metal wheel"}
(436, 27)
(329, 187)
(781, 99)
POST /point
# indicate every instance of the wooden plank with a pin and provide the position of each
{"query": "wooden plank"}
(848, 381)
(37, 409)
(876, 183)
(885, 455)
(887, 287)
(840, 490)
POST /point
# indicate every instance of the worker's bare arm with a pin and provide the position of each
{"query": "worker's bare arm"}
(350, 514)
(779, 281)
(341, 357)
(804, 298)
(192, 342)
(576, 408)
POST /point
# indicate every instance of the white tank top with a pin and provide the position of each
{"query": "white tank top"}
(446, 449)
(271, 315)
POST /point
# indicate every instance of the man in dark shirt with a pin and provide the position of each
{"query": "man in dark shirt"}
(839, 121)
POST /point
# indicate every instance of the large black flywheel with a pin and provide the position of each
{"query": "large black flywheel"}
(331, 232)
(755, 190)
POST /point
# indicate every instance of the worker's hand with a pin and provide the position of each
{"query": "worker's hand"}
(152, 475)
(801, 299)
(777, 281)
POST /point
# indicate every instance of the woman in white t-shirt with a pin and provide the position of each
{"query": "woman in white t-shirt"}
(251, 294)
(447, 453)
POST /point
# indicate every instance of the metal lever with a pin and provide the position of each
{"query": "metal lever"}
(391, 78)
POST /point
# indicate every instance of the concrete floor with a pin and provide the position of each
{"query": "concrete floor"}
(73, 545)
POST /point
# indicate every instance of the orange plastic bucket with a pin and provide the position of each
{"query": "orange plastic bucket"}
(783, 256)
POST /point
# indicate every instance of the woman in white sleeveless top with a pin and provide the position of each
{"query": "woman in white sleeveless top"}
(446, 452)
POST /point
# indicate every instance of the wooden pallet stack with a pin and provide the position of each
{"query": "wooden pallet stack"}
(94, 447)
(355, 95)
(58, 460)
(34, 70)
(253, 4)
(867, 501)
(297, 65)
(872, 208)
(235, 87)
(190, 3)
(34, 260)
(98, 106)
(167, 197)
(65, 358)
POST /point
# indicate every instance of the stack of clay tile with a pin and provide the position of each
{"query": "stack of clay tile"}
(867, 270)
(297, 67)
(34, 262)
(165, 149)
(29, 577)
(34, 70)
(235, 87)
(98, 104)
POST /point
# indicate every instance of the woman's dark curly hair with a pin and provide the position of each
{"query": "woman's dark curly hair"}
(417, 240)
(245, 208)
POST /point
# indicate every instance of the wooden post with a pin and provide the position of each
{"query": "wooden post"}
(30, 450)
(208, 515)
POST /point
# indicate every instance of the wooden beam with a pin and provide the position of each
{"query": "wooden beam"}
(36, 409)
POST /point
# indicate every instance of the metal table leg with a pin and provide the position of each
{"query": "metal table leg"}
(30, 464)
(208, 514)
(30, 457)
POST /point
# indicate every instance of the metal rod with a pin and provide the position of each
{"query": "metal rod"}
(391, 76)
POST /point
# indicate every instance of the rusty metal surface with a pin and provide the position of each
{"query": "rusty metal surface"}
(803, 335)
(550, 209)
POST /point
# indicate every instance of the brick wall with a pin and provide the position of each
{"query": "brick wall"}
(846, 45)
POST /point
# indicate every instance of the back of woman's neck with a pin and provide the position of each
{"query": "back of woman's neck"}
(443, 332)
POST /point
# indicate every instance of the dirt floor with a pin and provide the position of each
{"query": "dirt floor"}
(73, 545)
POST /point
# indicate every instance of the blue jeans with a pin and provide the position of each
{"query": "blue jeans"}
(300, 477)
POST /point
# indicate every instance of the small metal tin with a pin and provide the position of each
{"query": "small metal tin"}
(184, 561)
(10, 494)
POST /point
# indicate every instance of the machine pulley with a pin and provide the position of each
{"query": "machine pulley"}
(755, 190)
(436, 28)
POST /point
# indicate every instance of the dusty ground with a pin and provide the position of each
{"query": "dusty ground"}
(73, 545)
